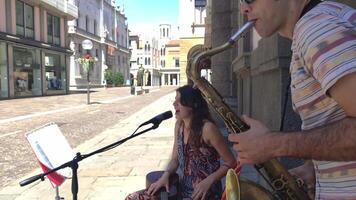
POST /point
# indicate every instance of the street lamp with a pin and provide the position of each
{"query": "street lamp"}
(88, 45)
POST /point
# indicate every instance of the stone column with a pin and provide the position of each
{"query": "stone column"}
(220, 33)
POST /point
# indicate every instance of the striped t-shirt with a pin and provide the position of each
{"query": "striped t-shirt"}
(324, 50)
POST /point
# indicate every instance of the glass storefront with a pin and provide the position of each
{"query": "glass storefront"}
(4, 93)
(27, 73)
(55, 74)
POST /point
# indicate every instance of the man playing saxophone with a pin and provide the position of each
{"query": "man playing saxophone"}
(323, 85)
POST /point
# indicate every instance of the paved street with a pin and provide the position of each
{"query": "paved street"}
(114, 114)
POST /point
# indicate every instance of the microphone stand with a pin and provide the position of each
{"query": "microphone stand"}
(79, 157)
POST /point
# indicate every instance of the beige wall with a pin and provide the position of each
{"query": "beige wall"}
(2, 16)
(62, 34)
(185, 45)
(44, 20)
(13, 17)
(171, 54)
(37, 15)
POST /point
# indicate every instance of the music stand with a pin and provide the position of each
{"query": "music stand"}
(52, 150)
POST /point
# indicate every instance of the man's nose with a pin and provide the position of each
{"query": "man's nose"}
(245, 8)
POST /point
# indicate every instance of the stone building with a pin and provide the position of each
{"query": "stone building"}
(34, 53)
(105, 25)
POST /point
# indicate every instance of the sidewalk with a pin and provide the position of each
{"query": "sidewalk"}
(13, 108)
(113, 174)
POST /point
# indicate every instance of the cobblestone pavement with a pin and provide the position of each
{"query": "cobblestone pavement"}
(78, 122)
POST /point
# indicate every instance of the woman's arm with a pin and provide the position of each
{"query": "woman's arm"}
(213, 137)
(172, 166)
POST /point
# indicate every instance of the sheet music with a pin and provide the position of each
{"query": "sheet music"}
(51, 147)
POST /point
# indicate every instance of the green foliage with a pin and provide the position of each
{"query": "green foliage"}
(114, 78)
(108, 76)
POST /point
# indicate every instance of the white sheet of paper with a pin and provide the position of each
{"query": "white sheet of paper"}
(51, 147)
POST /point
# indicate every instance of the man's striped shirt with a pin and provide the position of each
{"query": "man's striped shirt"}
(324, 50)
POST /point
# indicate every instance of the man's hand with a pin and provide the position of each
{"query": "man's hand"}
(255, 145)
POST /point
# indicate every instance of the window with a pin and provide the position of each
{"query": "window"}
(95, 27)
(86, 23)
(164, 32)
(97, 53)
(77, 20)
(145, 61)
(55, 74)
(119, 60)
(24, 20)
(177, 62)
(53, 29)
(200, 3)
(149, 61)
(80, 49)
(27, 72)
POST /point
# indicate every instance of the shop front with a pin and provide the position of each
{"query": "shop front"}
(55, 74)
(27, 71)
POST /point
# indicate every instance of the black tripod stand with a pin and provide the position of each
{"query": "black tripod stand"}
(79, 157)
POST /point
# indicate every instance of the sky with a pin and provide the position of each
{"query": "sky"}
(148, 13)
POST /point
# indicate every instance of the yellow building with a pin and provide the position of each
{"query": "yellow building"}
(170, 71)
(186, 43)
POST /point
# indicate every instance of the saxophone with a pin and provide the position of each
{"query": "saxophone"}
(282, 184)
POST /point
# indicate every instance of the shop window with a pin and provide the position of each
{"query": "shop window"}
(55, 74)
(27, 72)
(4, 93)
(53, 29)
(24, 20)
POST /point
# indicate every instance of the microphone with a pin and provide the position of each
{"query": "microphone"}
(158, 119)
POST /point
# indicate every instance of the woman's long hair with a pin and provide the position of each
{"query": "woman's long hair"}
(193, 98)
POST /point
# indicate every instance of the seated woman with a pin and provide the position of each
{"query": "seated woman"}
(198, 146)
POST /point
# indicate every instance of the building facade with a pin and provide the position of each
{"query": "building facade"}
(170, 71)
(169, 55)
(34, 53)
(145, 60)
(106, 26)
(191, 19)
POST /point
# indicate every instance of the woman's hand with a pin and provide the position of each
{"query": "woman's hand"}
(161, 182)
(202, 189)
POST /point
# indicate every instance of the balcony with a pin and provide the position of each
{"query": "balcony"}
(65, 8)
